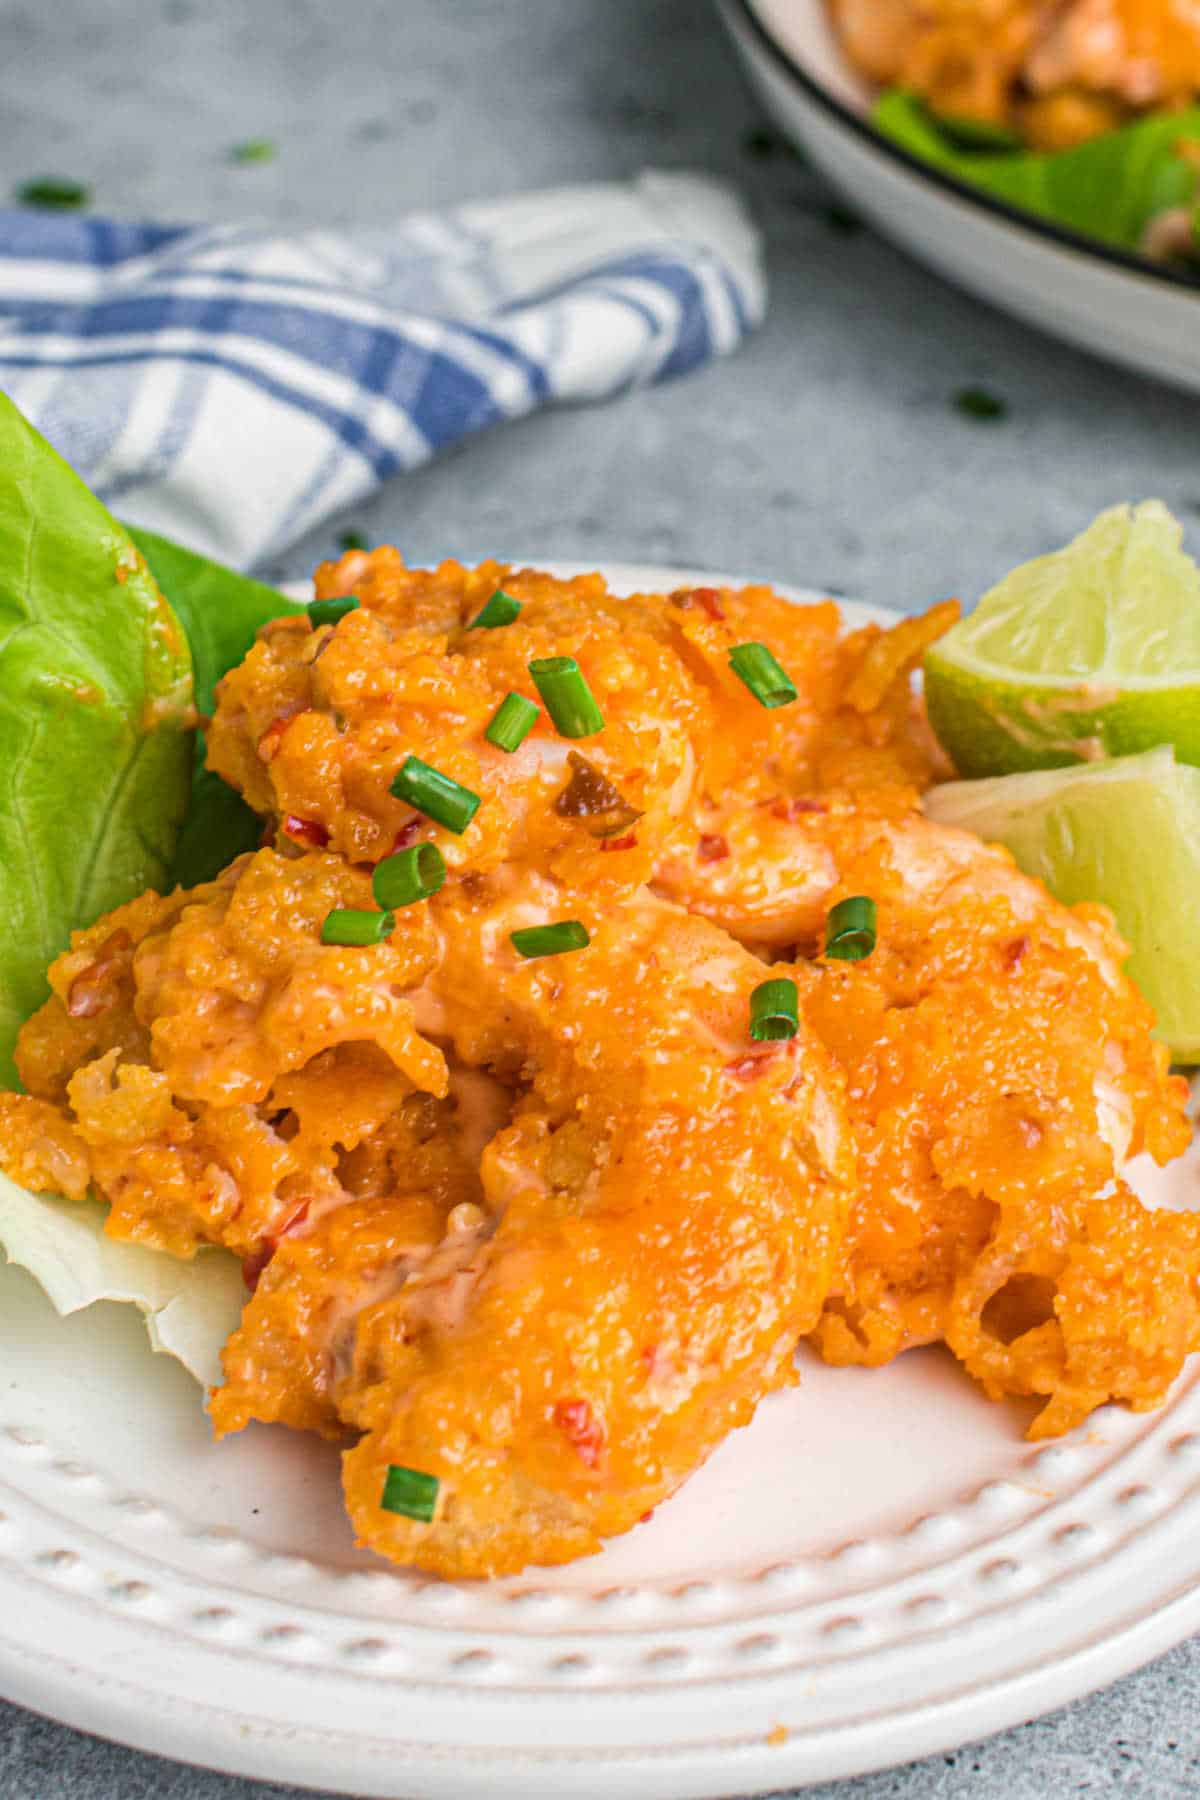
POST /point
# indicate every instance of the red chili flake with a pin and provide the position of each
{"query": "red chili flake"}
(794, 807)
(749, 1068)
(708, 599)
(579, 1425)
(629, 842)
(93, 989)
(646, 1517)
(254, 1265)
(1015, 952)
(306, 831)
(407, 834)
(712, 848)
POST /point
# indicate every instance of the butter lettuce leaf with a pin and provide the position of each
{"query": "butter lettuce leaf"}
(1109, 188)
(190, 1308)
(95, 717)
(220, 611)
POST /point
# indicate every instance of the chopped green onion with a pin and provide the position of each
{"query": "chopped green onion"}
(51, 192)
(254, 150)
(550, 940)
(352, 540)
(352, 925)
(511, 723)
(328, 612)
(569, 700)
(408, 876)
(754, 665)
(501, 609)
(850, 929)
(774, 1010)
(410, 1492)
(436, 795)
(978, 403)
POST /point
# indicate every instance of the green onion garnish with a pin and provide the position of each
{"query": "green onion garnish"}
(501, 609)
(351, 540)
(850, 929)
(569, 700)
(436, 795)
(408, 876)
(352, 925)
(550, 940)
(53, 193)
(328, 612)
(770, 684)
(978, 403)
(410, 1492)
(254, 150)
(511, 723)
(774, 1010)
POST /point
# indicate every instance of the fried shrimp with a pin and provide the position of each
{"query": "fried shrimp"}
(659, 1218)
(1000, 1071)
(236, 1067)
(314, 726)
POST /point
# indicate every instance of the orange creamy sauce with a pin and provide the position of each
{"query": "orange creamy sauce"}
(550, 1229)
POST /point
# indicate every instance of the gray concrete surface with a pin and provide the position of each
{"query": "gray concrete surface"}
(829, 451)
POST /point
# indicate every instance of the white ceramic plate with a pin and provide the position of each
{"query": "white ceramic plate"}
(1094, 297)
(879, 1567)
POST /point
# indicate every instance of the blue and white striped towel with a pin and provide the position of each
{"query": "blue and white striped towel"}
(231, 386)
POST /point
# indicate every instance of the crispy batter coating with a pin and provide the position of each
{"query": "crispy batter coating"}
(1000, 1071)
(238, 1060)
(313, 726)
(664, 1210)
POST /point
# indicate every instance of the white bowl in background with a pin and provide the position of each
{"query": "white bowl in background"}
(1094, 297)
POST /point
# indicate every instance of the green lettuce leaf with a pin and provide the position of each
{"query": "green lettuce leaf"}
(221, 611)
(190, 1308)
(95, 708)
(1108, 189)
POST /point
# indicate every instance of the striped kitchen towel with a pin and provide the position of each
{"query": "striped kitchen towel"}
(231, 386)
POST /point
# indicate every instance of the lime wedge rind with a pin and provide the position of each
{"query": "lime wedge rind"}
(1092, 651)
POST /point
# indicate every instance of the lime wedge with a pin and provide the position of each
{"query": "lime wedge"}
(1089, 652)
(1126, 833)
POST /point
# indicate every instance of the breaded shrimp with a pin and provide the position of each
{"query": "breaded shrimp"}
(211, 1066)
(1000, 1072)
(658, 1224)
(314, 725)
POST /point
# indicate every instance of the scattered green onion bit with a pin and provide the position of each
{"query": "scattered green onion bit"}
(850, 929)
(436, 795)
(410, 1492)
(774, 1011)
(569, 700)
(511, 723)
(328, 612)
(352, 925)
(977, 403)
(755, 665)
(53, 193)
(254, 150)
(410, 875)
(352, 540)
(550, 940)
(501, 609)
